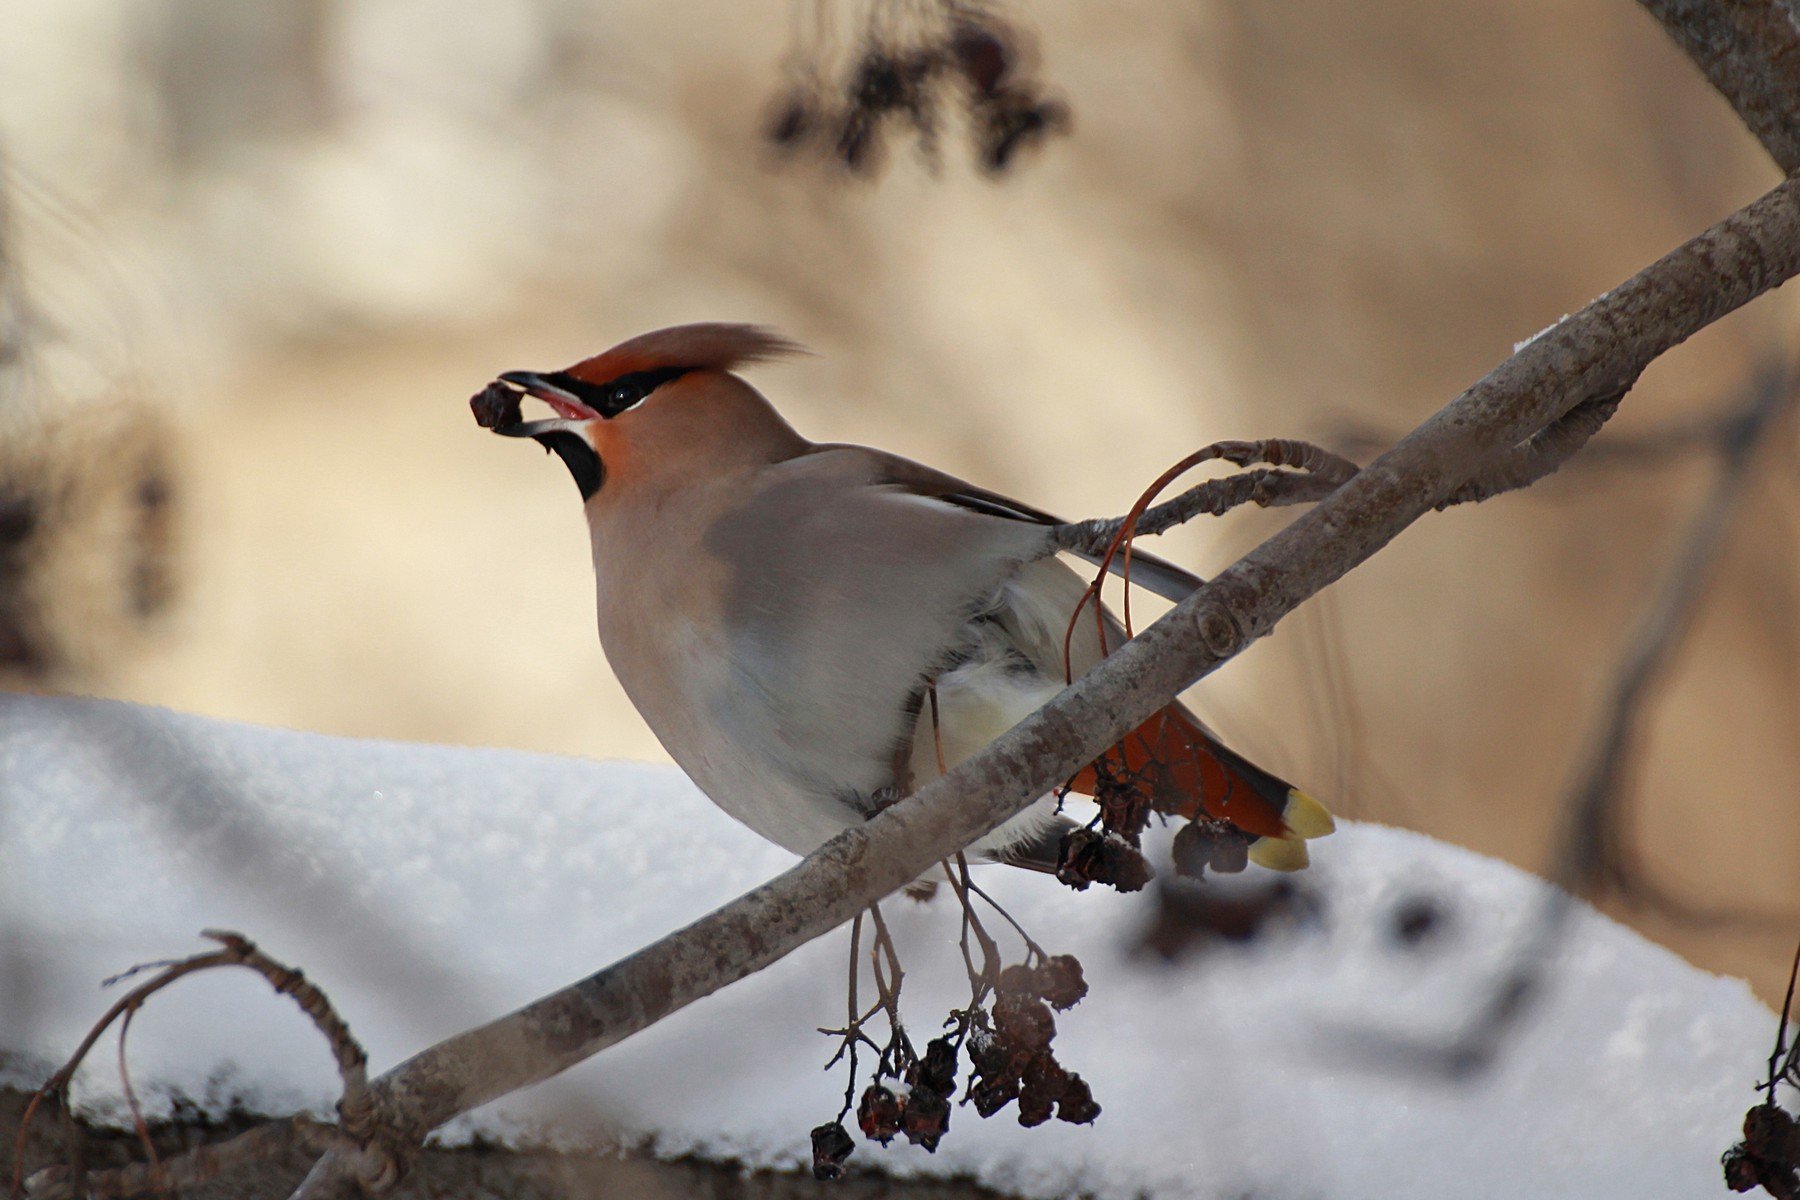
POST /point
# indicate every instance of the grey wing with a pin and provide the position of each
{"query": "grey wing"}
(847, 590)
(1157, 574)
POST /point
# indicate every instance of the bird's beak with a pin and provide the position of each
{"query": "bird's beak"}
(565, 402)
(531, 429)
(496, 409)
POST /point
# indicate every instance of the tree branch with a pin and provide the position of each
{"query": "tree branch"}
(1592, 354)
(1750, 51)
(1541, 454)
(1317, 473)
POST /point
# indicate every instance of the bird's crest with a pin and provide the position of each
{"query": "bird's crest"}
(708, 346)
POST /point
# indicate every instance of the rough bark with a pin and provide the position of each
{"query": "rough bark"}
(1750, 51)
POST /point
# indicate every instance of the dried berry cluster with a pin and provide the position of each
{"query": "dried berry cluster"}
(1093, 856)
(1769, 1155)
(1205, 843)
(905, 73)
(923, 1112)
(1012, 1057)
(1128, 796)
(1110, 854)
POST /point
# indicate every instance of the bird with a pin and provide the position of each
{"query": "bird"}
(812, 630)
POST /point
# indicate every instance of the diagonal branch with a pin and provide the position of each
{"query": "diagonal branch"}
(1591, 354)
(1750, 51)
(1541, 454)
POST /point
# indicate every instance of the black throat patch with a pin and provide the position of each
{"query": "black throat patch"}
(583, 463)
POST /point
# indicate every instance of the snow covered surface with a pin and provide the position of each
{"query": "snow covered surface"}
(426, 888)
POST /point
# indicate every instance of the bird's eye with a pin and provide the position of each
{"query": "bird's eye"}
(622, 396)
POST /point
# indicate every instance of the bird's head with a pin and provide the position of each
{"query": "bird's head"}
(660, 401)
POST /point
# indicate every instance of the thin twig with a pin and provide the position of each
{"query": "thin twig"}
(890, 981)
(1776, 1068)
(355, 1107)
(151, 1160)
(1315, 474)
(1031, 946)
(982, 979)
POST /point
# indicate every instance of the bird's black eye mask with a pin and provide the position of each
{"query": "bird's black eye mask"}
(496, 407)
(618, 395)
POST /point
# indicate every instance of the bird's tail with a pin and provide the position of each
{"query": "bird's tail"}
(1183, 771)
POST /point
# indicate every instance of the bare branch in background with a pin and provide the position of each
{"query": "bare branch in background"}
(1750, 51)
(1673, 440)
(354, 1108)
(1590, 854)
(1593, 854)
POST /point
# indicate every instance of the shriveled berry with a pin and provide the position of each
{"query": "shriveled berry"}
(831, 1146)
(1035, 1105)
(992, 1094)
(1741, 1174)
(1017, 979)
(926, 1119)
(1230, 855)
(936, 1072)
(879, 1114)
(1024, 1022)
(1090, 857)
(495, 406)
(1077, 1105)
(1771, 1132)
(1206, 843)
(1059, 981)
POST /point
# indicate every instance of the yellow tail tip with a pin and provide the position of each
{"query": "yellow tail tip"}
(1279, 854)
(1306, 817)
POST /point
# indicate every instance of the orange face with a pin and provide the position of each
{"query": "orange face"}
(609, 431)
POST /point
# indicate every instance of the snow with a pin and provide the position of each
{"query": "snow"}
(1518, 346)
(428, 887)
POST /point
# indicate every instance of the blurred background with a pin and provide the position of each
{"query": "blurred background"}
(258, 256)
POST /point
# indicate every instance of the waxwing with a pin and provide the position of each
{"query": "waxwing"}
(812, 629)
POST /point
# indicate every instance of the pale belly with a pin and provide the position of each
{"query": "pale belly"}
(722, 727)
